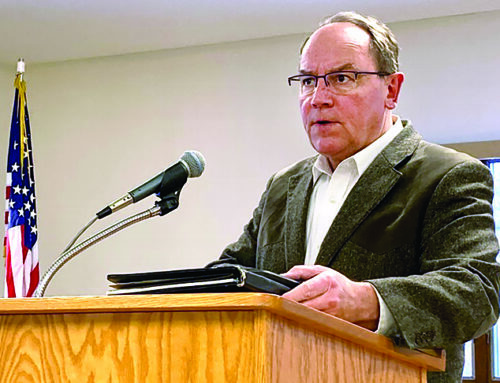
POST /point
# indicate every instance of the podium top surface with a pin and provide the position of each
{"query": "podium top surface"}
(432, 360)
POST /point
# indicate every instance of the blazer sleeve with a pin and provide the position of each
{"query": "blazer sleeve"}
(455, 297)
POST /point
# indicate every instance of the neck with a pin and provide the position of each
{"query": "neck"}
(387, 121)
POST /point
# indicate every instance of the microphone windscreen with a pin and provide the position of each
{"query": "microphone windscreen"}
(194, 161)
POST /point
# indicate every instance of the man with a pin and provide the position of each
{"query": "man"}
(392, 233)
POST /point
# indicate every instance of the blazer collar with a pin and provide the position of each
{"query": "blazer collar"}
(379, 178)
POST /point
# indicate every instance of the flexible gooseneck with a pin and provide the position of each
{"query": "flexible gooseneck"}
(74, 251)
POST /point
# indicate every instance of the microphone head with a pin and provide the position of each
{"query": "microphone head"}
(194, 161)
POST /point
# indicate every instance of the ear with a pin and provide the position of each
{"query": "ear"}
(393, 83)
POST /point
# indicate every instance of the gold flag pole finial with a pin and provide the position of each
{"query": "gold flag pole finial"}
(20, 67)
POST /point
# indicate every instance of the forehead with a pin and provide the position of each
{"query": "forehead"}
(335, 46)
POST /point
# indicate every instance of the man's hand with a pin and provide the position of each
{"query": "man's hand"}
(329, 291)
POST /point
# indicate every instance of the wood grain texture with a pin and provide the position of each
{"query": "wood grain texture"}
(191, 338)
(298, 354)
(137, 347)
(233, 301)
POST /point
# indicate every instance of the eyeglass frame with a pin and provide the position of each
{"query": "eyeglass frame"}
(297, 77)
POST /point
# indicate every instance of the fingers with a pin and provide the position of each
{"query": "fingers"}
(313, 287)
(304, 272)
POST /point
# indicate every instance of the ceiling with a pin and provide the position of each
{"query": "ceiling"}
(56, 30)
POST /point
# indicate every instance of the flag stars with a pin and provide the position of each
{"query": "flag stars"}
(16, 144)
(33, 214)
(11, 204)
(21, 212)
(33, 230)
(17, 189)
(15, 167)
(27, 206)
(25, 190)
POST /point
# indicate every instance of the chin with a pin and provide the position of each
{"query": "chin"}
(329, 148)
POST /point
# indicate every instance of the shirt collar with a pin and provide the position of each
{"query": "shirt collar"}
(364, 157)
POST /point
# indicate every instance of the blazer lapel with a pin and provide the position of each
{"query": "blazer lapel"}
(369, 191)
(297, 204)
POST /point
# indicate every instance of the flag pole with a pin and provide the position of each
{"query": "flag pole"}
(21, 234)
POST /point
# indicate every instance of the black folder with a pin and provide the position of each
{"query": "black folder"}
(217, 279)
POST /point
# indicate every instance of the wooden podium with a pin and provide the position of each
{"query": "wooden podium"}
(185, 338)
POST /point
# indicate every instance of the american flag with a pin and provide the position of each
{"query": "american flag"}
(20, 243)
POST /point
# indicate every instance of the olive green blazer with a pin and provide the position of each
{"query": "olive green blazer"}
(418, 225)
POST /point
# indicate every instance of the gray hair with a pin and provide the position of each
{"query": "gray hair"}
(383, 44)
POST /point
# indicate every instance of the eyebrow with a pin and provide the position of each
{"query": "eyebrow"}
(347, 66)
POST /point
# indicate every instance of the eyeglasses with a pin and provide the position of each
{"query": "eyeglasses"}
(339, 82)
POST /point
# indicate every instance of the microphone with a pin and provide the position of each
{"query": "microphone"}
(190, 165)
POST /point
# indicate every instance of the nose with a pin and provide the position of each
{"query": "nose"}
(322, 97)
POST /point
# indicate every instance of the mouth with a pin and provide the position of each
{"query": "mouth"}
(322, 122)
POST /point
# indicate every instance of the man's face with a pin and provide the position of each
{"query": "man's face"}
(339, 125)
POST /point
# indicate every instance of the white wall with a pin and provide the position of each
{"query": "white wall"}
(6, 98)
(102, 126)
(451, 91)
